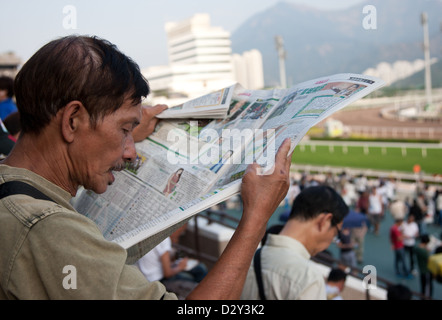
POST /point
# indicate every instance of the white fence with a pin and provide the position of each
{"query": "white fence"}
(369, 172)
(366, 172)
(397, 132)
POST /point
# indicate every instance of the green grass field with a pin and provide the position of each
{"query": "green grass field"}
(388, 159)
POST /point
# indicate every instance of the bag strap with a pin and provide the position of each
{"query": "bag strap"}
(258, 274)
(18, 187)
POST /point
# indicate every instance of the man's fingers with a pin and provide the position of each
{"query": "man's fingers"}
(283, 149)
(254, 168)
(283, 161)
(283, 156)
(152, 111)
(160, 107)
(148, 121)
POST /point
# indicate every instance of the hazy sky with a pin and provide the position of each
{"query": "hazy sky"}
(135, 26)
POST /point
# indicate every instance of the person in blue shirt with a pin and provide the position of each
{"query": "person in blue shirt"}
(7, 105)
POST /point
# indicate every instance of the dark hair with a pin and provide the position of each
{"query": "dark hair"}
(424, 238)
(313, 201)
(336, 275)
(274, 229)
(88, 69)
(12, 122)
(7, 83)
(398, 292)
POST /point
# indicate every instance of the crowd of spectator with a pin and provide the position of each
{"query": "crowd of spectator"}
(413, 206)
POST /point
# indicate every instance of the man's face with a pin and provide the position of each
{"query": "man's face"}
(3, 94)
(100, 151)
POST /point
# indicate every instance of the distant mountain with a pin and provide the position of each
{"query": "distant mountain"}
(321, 42)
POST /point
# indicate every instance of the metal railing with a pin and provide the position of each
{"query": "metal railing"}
(358, 273)
(225, 219)
(396, 132)
(369, 173)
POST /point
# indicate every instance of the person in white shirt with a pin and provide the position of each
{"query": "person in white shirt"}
(152, 268)
(382, 190)
(375, 209)
(390, 185)
(410, 231)
(361, 183)
(179, 275)
(288, 273)
(398, 208)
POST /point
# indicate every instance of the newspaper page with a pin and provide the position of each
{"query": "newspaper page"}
(187, 166)
(144, 237)
(210, 106)
(299, 109)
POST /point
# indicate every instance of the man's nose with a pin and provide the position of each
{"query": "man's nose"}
(130, 152)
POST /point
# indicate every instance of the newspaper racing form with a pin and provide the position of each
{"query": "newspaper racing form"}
(187, 166)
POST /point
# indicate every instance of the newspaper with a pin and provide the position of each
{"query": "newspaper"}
(187, 166)
(214, 105)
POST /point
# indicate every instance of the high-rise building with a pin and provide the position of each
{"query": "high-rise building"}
(200, 61)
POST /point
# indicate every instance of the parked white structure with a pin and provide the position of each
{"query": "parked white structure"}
(201, 61)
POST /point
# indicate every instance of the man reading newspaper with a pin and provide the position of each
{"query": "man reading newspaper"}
(80, 103)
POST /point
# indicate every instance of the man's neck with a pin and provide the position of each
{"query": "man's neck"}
(38, 155)
(299, 230)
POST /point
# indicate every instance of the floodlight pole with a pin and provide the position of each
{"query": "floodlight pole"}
(281, 54)
(424, 20)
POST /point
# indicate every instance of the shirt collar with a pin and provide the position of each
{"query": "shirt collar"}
(277, 240)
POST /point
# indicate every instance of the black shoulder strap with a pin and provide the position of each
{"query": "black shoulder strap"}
(18, 187)
(258, 274)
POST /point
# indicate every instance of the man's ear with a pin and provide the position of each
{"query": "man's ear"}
(74, 116)
(324, 221)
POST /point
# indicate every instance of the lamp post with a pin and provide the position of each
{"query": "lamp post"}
(424, 20)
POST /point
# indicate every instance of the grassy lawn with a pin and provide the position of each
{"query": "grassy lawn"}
(377, 158)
